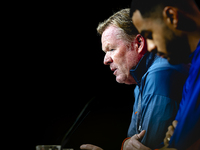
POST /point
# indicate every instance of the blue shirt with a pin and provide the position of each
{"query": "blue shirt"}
(157, 96)
(188, 117)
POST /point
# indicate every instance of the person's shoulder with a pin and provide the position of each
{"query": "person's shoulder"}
(196, 57)
(162, 65)
(164, 78)
(194, 73)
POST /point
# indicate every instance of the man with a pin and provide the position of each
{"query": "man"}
(158, 82)
(173, 26)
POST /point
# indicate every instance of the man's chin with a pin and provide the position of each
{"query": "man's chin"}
(120, 79)
(125, 81)
(178, 60)
(173, 61)
(174, 58)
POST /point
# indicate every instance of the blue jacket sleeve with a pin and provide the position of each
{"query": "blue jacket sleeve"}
(160, 113)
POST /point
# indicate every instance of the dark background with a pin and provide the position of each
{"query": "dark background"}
(59, 69)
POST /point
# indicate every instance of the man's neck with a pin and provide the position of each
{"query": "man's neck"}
(194, 37)
(193, 42)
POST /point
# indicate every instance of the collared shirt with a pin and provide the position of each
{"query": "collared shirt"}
(157, 95)
(187, 131)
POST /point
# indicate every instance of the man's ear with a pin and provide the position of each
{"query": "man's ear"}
(177, 19)
(170, 15)
(140, 44)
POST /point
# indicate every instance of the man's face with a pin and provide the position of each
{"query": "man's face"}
(161, 38)
(119, 56)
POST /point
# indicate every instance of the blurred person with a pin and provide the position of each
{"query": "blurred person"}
(172, 27)
(158, 84)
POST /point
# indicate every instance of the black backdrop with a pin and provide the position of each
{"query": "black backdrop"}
(62, 69)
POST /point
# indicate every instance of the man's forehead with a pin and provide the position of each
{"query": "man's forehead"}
(109, 35)
(105, 40)
(110, 32)
(142, 24)
(138, 20)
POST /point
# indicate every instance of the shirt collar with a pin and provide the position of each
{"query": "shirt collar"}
(143, 65)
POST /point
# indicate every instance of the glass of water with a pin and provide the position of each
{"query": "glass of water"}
(48, 147)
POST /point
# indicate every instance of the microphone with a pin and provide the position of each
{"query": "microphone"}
(83, 114)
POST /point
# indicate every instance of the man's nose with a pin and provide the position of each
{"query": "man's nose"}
(150, 45)
(107, 60)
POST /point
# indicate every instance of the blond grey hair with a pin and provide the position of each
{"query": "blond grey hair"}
(122, 20)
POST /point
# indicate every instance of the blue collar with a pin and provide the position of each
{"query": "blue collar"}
(142, 67)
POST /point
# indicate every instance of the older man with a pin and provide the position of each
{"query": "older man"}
(159, 84)
(173, 26)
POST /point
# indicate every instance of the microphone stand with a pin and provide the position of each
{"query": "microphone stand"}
(83, 114)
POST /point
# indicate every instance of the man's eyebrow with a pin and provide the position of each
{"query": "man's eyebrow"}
(106, 47)
(145, 33)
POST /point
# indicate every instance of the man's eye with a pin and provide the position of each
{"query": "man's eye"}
(149, 36)
(111, 50)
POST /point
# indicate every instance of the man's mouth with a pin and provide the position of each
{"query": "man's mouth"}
(114, 70)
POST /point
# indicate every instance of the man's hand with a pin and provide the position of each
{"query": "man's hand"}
(170, 132)
(90, 147)
(134, 142)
